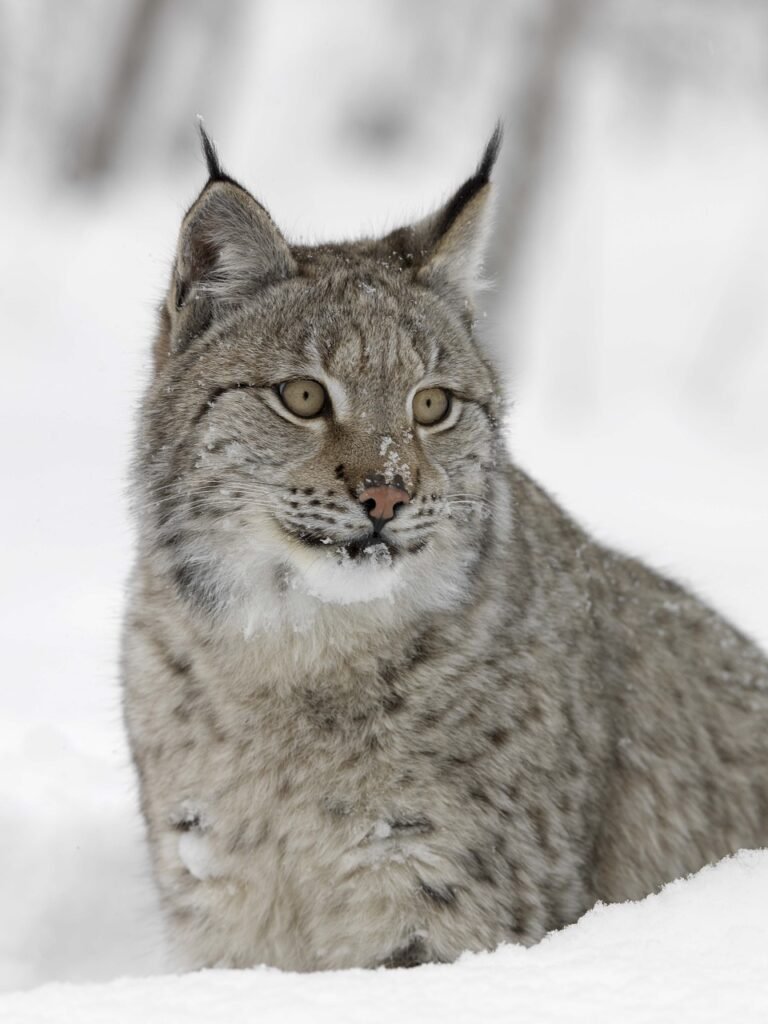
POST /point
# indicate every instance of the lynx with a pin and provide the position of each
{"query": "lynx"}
(387, 702)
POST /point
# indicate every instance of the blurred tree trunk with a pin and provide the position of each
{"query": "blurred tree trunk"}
(532, 126)
(152, 57)
(97, 150)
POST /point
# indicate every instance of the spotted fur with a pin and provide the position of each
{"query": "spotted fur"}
(358, 755)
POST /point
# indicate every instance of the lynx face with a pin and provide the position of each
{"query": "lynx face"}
(320, 417)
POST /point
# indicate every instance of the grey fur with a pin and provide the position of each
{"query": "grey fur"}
(346, 759)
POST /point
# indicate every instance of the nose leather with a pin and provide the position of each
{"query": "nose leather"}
(385, 500)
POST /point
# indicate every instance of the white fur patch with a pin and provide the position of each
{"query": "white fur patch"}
(333, 577)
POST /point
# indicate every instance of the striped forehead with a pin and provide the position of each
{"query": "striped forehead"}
(370, 352)
(383, 349)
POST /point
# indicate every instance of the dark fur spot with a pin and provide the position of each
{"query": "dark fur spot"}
(498, 737)
(193, 585)
(512, 791)
(416, 824)
(564, 803)
(209, 717)
(534, 711)
(182, 712)
(187, 823)
(339, 471)
(319, 711)
(416, 547)
(178, 666)
(442, 895)
(478, 868)
(337, 808)
(282, 578)
(408, 956)
(540, 823)
(522, 921)
(513, 869)
(182, 916)
(164, 511)
(460, 760)
(171, 540)
(480, 796)
(429, 718)
(393, 702)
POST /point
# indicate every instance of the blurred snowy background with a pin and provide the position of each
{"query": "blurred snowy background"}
(630, 314)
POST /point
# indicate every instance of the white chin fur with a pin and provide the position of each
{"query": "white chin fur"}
(331, 576)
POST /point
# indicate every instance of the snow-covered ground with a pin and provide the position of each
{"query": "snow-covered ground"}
(640, 393)
(697, 951)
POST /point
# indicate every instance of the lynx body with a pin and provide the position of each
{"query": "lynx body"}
(368, 740)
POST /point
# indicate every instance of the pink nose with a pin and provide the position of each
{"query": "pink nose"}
(381, 502)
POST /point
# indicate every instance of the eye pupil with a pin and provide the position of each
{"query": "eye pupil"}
(431, 406)
(304, 398)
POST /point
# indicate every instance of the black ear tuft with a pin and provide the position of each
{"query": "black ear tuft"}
(491, 153)
(215, 173)
(228, 250)
(472, 185)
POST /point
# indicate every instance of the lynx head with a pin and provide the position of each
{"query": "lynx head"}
(320, 421)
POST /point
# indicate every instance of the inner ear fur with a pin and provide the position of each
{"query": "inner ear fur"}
(228, 249)
(446, 249)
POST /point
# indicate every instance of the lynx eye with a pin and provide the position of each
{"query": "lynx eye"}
(304, 398)
(431, 405)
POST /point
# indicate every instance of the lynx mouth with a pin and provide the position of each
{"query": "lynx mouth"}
(379, 549)
(370, 546)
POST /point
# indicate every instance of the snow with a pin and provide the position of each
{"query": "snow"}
(640, 383)
(393, 463)
(697, 951)
(195, 854)
(75, 888)
(382, 830)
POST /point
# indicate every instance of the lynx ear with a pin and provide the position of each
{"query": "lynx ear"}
(228, 249)
(447, 247)
(458, 233)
